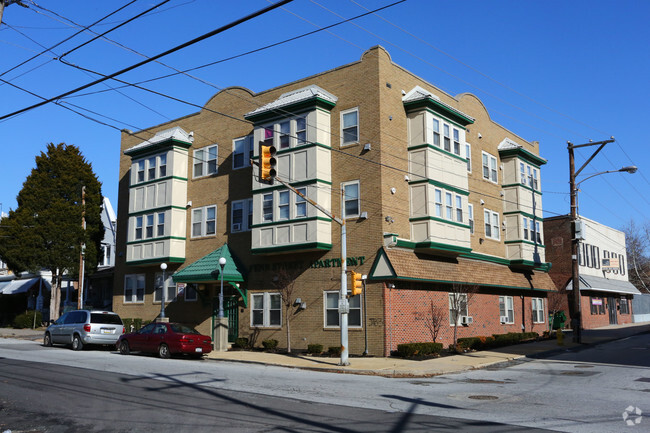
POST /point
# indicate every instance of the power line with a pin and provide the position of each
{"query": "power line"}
(157, 56)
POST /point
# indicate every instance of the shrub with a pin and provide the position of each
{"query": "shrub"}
(127, 324)
(409, 350)
(334, 350)
(315, 349)
(137, 323)
(241, 343)
(271, 344)
(26, 320)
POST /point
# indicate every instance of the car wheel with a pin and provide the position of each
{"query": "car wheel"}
(163, 351)
(77, 344)
(124, 347)
(47, 340)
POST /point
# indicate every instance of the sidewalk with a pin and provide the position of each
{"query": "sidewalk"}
(396, 367)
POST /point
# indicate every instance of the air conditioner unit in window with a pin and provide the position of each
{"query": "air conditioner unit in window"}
(236, 227)
(466, 320)
(503, 319)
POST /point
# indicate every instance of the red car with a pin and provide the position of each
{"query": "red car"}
(165, 339)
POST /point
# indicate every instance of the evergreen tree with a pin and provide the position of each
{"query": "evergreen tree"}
(45, 231)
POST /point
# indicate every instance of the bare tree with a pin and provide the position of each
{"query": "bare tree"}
(637, 241)
(460, 297)
(284, 282)
(434, 317)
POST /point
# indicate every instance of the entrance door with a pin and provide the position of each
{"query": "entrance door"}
(611, 307)
(230, 310)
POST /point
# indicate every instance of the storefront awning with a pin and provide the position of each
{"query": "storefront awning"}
(407, 265)
(599, 284)
(18, 286)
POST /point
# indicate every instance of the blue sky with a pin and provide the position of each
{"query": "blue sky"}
(549, 71)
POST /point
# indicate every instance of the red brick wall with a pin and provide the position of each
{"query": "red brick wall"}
(591, 321)
(406, 313)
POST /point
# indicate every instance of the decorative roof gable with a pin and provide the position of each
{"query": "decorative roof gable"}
(419, 98)
(175, 134)
(310, 95)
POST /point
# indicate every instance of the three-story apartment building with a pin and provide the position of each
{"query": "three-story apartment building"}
(438, 201)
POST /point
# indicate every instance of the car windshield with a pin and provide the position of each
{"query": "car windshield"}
(183, 329)
(107, 319)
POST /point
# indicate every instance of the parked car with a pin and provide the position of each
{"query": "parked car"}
(82, 327)
(165, 339)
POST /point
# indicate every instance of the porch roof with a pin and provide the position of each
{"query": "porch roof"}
(207, 269)
(589, 282)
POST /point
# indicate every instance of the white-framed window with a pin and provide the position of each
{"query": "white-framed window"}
(205, 161)
(489, 167)
(301, 203)
(158, 285)
(525, 228)
(468, 157)
(350, 126)
(140, 174)
(148, 229)
(457, 307)
(301, 131)
(138, 228)
(162, 168)
(436, 132)
(538, 310)
(528, 176)
(352, 199)
(449, 206)
(190, 292)
(459, 209)
(491, 220)
(204, 221)
(506, 309)
(266, 310)
(438, 202)
(522, 173)
(151, 170)
(241, 215)
(267, 207)
(160, 227)
(624, 307)
(285, 134)
(283, 205)
(133, 288)
(470, 217)
(456, 141)
(331, 310)
(242, 151)
(446, 138)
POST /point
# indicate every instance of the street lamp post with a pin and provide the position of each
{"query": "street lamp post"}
(222, 264)
(163, 290)
(576, 320)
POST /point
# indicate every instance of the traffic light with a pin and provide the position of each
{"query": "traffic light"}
(357, 283)
(267, 162)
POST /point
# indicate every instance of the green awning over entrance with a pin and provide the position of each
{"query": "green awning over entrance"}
(207, 269)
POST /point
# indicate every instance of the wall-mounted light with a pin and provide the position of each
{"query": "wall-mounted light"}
(367, 146)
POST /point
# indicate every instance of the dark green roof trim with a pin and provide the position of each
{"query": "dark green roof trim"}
(146, 182)
(498, 286)
(486, 258)
(156, 148)
(293, 184)
(156, 260)
(281, 112)
(291, 221)
(440, 109)
(523, 186)
(437, 246)
(156, 209)
(523, 241)
(543, 267)
(310, 246)
(442, 220)
(526, 214)
(522, 153)
(440, 185)
(437, 149)
(162, 238)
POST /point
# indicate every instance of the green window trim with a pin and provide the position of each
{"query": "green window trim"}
(167, 259)
(510, 185)
(524, 241)
(437, 149)
(521, 153)
(440, 185)
(526, 214)
(432, 246)
(294, 247)
(147, 182)
(155, 210)
(296, 148)
(160, 238)
(438, 219)
(294, 184)
(290, 221)
(436, 107)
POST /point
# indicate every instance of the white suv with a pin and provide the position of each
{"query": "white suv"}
(80, 327)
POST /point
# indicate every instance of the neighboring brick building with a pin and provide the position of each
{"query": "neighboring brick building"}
(438, 198)
(605, 292)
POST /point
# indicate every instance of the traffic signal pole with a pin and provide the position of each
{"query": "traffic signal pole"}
(267, 161)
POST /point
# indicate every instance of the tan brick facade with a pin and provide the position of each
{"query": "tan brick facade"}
(376, 86)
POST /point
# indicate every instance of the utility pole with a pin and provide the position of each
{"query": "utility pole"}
(576, 320)
(82, 254)
(4, 3)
